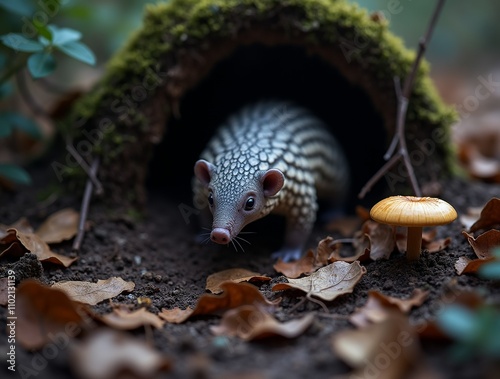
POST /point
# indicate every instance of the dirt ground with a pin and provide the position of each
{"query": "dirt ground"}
(160, 255)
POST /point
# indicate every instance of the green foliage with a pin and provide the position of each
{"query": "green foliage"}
(477, 332)
(491, 270)
(34, 49)
(12, 120)
(14, 173)
(42, 62)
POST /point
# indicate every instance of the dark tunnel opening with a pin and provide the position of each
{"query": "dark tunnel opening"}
(254, 72)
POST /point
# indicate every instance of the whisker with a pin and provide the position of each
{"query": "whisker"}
(244, 240)
(248, 233)
(239, 244)
(209, 229)
(234, 245)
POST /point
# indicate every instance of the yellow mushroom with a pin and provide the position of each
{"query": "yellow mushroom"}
(414, 213)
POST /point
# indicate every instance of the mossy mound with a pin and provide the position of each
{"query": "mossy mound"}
(193, 62)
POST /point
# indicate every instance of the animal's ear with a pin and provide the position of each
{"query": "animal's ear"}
(203, 171)
(272, 182)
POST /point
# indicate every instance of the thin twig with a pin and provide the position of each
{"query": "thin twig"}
(398, 149)
(85, 206)
(26, 95)
(86, 168)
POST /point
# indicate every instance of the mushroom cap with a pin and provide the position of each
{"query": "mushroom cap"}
(413, 211)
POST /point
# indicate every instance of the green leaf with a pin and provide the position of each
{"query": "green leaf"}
(458, 322)
(18, 42)
(44, 31)
(15, 174)
(78, 51)
(18, 7)
(18, 121)
(490, 271)
(41, 64)
(61, 36)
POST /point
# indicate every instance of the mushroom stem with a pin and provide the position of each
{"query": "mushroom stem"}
(414, 243)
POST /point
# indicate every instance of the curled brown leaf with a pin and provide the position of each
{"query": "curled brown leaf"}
(249, 322)
(233, 296)
(32, 243)
(235, 275)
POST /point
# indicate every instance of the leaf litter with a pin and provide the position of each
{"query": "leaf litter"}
(250, 322)
(379, 306)
(107, 354)
(328, 282)
(16, 244)
(93, 293)
(43, 312)
(235, 275)
(233, 296)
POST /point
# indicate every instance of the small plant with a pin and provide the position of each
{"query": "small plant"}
(37, 54)
(476, 331)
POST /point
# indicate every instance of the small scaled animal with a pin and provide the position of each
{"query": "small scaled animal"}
(271, 156)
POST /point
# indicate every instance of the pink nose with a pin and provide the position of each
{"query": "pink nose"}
(221, 236)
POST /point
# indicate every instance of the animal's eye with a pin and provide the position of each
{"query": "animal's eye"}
(249, 204)
(211, 199)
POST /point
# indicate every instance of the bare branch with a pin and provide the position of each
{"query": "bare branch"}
(85, 206)
(398, 149)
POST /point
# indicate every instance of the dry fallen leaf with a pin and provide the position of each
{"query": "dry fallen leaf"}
(249, 322)
(489, 217)
(484, 244)
(389, 349)
(235, 275)
(437, 245)
(59, 226)
(124, 319)
(464, 265)
(93, 293)
(379, 306)
(304, 265)
(328, 282)
(21, 225)
(106, 354)
(328, 251)
(44, 313)
(32, 243)
(233, 295)
(382, 239)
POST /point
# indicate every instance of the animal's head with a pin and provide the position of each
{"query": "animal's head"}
(237, 198)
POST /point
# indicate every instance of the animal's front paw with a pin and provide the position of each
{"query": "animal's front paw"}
(287, 254)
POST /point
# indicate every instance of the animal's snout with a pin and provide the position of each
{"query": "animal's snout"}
(221, 236)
